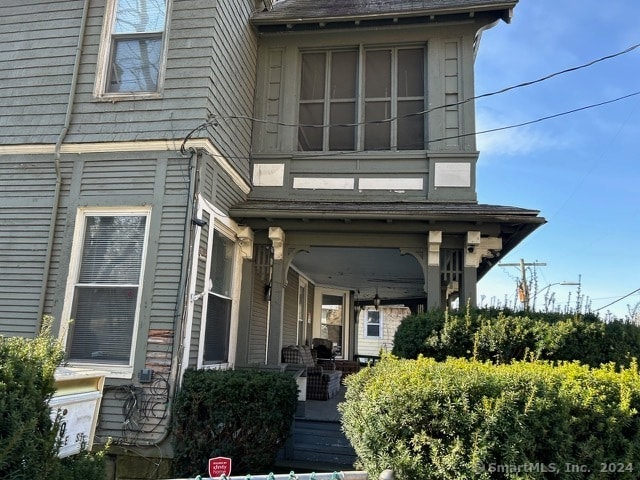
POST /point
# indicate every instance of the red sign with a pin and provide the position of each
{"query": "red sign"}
(219, 466)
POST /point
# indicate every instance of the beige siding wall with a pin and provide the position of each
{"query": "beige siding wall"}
(391, 318)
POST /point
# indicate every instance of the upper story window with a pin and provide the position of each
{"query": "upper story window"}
(132, 48)
(362, 99)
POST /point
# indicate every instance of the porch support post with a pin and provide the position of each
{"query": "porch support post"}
(472, 258)
(245, 241)
(278, 283)
(433, 286)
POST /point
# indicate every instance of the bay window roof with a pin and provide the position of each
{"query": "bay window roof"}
(313, 11)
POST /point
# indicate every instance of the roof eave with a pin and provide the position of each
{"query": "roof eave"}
(506, 8)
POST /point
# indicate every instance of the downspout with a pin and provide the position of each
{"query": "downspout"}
(181, 300)
(56, 163)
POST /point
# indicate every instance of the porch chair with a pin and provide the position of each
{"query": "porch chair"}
(323, 380)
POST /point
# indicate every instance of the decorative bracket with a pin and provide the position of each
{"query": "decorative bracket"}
(245, 241)
(276, 235)
(435, 239)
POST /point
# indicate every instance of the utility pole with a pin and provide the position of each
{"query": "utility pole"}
(523, 288)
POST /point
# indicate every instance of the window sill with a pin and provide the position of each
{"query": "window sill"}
(109, 371)
(123, 97)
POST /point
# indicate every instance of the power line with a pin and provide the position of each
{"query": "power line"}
(618, 300)
(447, 105)
(214, 122)
(541, 119)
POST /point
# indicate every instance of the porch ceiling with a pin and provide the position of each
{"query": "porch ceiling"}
(365, 271)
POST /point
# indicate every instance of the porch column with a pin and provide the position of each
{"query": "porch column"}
(433, 270)
(468, 292)
(276, 310)
(245, 242)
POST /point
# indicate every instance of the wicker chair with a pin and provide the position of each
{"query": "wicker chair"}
(323, 380)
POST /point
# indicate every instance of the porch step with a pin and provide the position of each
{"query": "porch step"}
(317, 446)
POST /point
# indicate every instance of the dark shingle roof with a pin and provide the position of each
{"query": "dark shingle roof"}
(301, 11)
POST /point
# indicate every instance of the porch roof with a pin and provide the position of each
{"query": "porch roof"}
(513, 223)
(310, 11)
(423, 211)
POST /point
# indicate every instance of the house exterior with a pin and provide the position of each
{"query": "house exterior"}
(376, 328)
(198, 183)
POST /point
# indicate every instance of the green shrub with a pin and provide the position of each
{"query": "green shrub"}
(502, 336)
(410, 337)
(463, 419)
(243, 414)
(28, 435)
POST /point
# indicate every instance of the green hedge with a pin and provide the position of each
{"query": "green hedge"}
(242, 414)
(28, 436)
(463, 419)
(502, 336)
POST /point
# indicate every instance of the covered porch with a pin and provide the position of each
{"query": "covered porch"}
(318, 265)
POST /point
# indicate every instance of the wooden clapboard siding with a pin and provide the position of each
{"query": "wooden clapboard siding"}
(259, 306)
(25, 214)
(37, 49)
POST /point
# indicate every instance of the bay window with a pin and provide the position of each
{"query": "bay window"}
(362, 99)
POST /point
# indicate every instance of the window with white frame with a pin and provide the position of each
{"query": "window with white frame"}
(109, 253)
(373, 324)
(132, 47)
(219, 301)
(362, 99)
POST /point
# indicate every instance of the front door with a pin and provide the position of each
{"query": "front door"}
(331, 309)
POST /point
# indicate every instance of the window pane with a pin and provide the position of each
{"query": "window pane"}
(373, 323)
(112, 249)
(222, 264)
(313, 76)
(378, 74)
(332, 321)
(411, 73)
(140, 16)
(373, 330)
(343, 75)
(101, 330)
(135, 65)
(377, 136)
(342, 137)
(216, 337)
(410, 126)
(310, 138)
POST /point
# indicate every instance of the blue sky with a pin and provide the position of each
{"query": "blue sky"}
(582, 171)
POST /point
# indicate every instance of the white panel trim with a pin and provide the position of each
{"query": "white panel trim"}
(268, 175)
(391, 184)
(323, 183)
(452, 174)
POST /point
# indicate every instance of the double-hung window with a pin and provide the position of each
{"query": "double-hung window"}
(373, 323)
(133, 47)
(362, 99)
(105, 285)
(217, 329)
